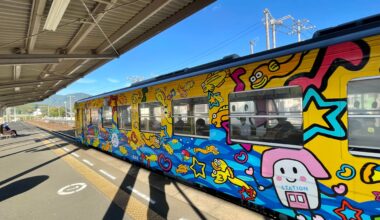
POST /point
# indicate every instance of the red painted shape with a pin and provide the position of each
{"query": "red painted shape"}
(348, 51)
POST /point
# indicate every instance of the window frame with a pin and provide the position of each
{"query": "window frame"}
(265, 143)
(360, 150)
(102, 116)
(207, 115)
(130, 117)
(91, 118)
(149, 116)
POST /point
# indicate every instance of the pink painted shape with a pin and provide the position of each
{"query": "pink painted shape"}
(240, 86)
(303, 179)
(297, 200)
(249, 171)
(339, 189)
(348, 51)
(226, 127)
(247, 147)
(270, 157)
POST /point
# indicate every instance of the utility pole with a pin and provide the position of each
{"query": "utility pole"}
(252, 43)
(275, 22)
(59, 111)
(14, 113)
(299, 26)
(271, 22)
(70, 105)
(65, 109)
(267, 14)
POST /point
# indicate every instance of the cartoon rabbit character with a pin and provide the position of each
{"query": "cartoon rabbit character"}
(295, 175)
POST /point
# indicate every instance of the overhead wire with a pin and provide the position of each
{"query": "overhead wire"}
(207, 52)
(218, 46)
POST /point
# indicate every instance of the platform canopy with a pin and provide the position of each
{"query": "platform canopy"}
(47, 44)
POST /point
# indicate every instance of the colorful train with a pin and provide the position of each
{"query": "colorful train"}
(294, 129)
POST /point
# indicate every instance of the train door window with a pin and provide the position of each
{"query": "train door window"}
(94, 116)
(107, 116)
(268, 116)
(124, 117)
(191, 116)
(364, 117)
(87, 117)
(150, 117)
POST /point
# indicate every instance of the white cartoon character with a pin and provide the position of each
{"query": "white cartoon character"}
(295, 175)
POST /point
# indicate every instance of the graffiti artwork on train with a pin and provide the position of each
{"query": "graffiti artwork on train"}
(334, 110)
(370, 173)
(295, 175)
(264, 73)
(273, 133)
(328, 60)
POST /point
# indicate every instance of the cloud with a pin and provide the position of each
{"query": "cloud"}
(215, 7)
(111, 80)
(134, 79)
(86, 81)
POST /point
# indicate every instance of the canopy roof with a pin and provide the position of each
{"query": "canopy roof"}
(35, 63)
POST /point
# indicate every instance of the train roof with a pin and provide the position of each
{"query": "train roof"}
(349, 31)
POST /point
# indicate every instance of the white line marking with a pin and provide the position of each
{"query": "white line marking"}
(107, 174)
(142, 195)
(66, 149)
(75, 154)
(72, 188)
(88, 162)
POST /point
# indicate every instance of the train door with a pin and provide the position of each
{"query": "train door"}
(78, 123)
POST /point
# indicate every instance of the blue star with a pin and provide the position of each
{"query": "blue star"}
(214, 99)
(332, 117)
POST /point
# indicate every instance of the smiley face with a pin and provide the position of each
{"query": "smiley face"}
(258, 79)
(292, 176)
(291, 171)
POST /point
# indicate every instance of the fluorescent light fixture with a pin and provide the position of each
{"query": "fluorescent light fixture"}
(16, 72)
(57, 9)
(57, 83)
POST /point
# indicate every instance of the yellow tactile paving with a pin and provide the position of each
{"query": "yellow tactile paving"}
(135, 208)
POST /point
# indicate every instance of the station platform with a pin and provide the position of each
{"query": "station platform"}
(45, 176)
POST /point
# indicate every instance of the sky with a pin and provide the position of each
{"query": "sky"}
(223, 28)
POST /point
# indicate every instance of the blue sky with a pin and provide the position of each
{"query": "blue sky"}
(223, 28)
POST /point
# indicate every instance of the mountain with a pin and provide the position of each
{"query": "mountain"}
(59, 100)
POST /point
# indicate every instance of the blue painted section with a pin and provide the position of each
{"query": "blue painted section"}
(202, 169)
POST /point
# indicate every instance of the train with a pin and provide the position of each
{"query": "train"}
(295, 129)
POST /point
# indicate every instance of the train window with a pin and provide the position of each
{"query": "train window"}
(364, 117)
(268, 117)
(191, 116)
(87, 117)
(107, 116)
(94, 116)
(124, 117)
(150, 117)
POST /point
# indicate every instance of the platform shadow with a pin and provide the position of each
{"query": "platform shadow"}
(21, 186)
(2, 182)
(158, 202)
(119, 203)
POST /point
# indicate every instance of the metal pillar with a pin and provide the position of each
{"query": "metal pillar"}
(266, 14)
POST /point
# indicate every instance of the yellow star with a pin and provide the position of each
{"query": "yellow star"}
(196, 173)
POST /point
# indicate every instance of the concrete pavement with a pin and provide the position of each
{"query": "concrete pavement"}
(45, 177)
